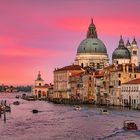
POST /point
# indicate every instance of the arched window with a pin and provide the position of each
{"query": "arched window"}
(98, 65)
(119, 83)
(95, 49)
(119, 75)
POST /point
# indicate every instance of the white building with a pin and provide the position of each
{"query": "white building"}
(131, 93)
(40, 89)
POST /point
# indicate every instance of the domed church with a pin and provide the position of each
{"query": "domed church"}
(92, 51)
(126, 53)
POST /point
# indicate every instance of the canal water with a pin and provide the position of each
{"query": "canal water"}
(62, 122)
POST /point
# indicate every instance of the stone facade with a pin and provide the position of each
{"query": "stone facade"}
(62, 88)
(131, 93)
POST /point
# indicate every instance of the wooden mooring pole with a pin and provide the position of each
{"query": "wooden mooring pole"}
(4, 114)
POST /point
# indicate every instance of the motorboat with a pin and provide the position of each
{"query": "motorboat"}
(130, 125)
(30, 98)
(16, 103)
(104, 112)
(34, 111)
(77, 107)
(5, 108)
(17, 96)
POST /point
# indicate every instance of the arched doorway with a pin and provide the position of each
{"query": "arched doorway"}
(39, 94)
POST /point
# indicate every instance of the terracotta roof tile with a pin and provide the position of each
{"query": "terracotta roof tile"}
(99, 74)
(134, 81)
(70, 67)
(76, 73)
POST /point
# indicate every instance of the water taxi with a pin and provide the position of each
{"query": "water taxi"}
(104, 111)
(16, 103)
(5, 108)
(34, 111)
(77, 107)
(130, 125)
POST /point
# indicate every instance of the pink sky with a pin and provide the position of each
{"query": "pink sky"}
(40, 35)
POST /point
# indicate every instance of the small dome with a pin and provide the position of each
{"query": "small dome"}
(121, 52)
(91, 45)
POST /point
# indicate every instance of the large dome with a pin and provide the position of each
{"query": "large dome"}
(121, 52)
(91, 45)
(92, 51)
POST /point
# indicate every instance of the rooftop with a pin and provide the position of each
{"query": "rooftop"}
(135, 81)
(70, 67)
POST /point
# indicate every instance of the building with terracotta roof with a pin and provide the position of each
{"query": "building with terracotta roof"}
(114, 76)
(131, 93)
(62, 89)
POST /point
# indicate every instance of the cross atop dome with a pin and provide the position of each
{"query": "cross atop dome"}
(92, 20)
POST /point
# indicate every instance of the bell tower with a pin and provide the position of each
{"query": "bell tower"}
(39, 81)
(134, 52)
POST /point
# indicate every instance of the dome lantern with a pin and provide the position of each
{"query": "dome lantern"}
(121, 42)
(91, 33)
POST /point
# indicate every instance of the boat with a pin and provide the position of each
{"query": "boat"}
(30, 98)
(77, 107)
(104, 111)
(16, 103)
(130, 125)
(5, 108)
(17, 96)
(34, 111)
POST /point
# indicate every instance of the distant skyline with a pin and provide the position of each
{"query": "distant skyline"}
(40, 35)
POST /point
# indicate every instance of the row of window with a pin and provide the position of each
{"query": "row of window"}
(130, 88)
(133, 101)
(119, 75)
(98, 65)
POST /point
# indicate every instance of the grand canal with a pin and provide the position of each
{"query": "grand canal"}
(61, 122)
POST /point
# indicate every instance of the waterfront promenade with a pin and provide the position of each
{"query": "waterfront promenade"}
(62, 122)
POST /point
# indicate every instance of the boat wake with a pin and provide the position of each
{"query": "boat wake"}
(117, 132)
